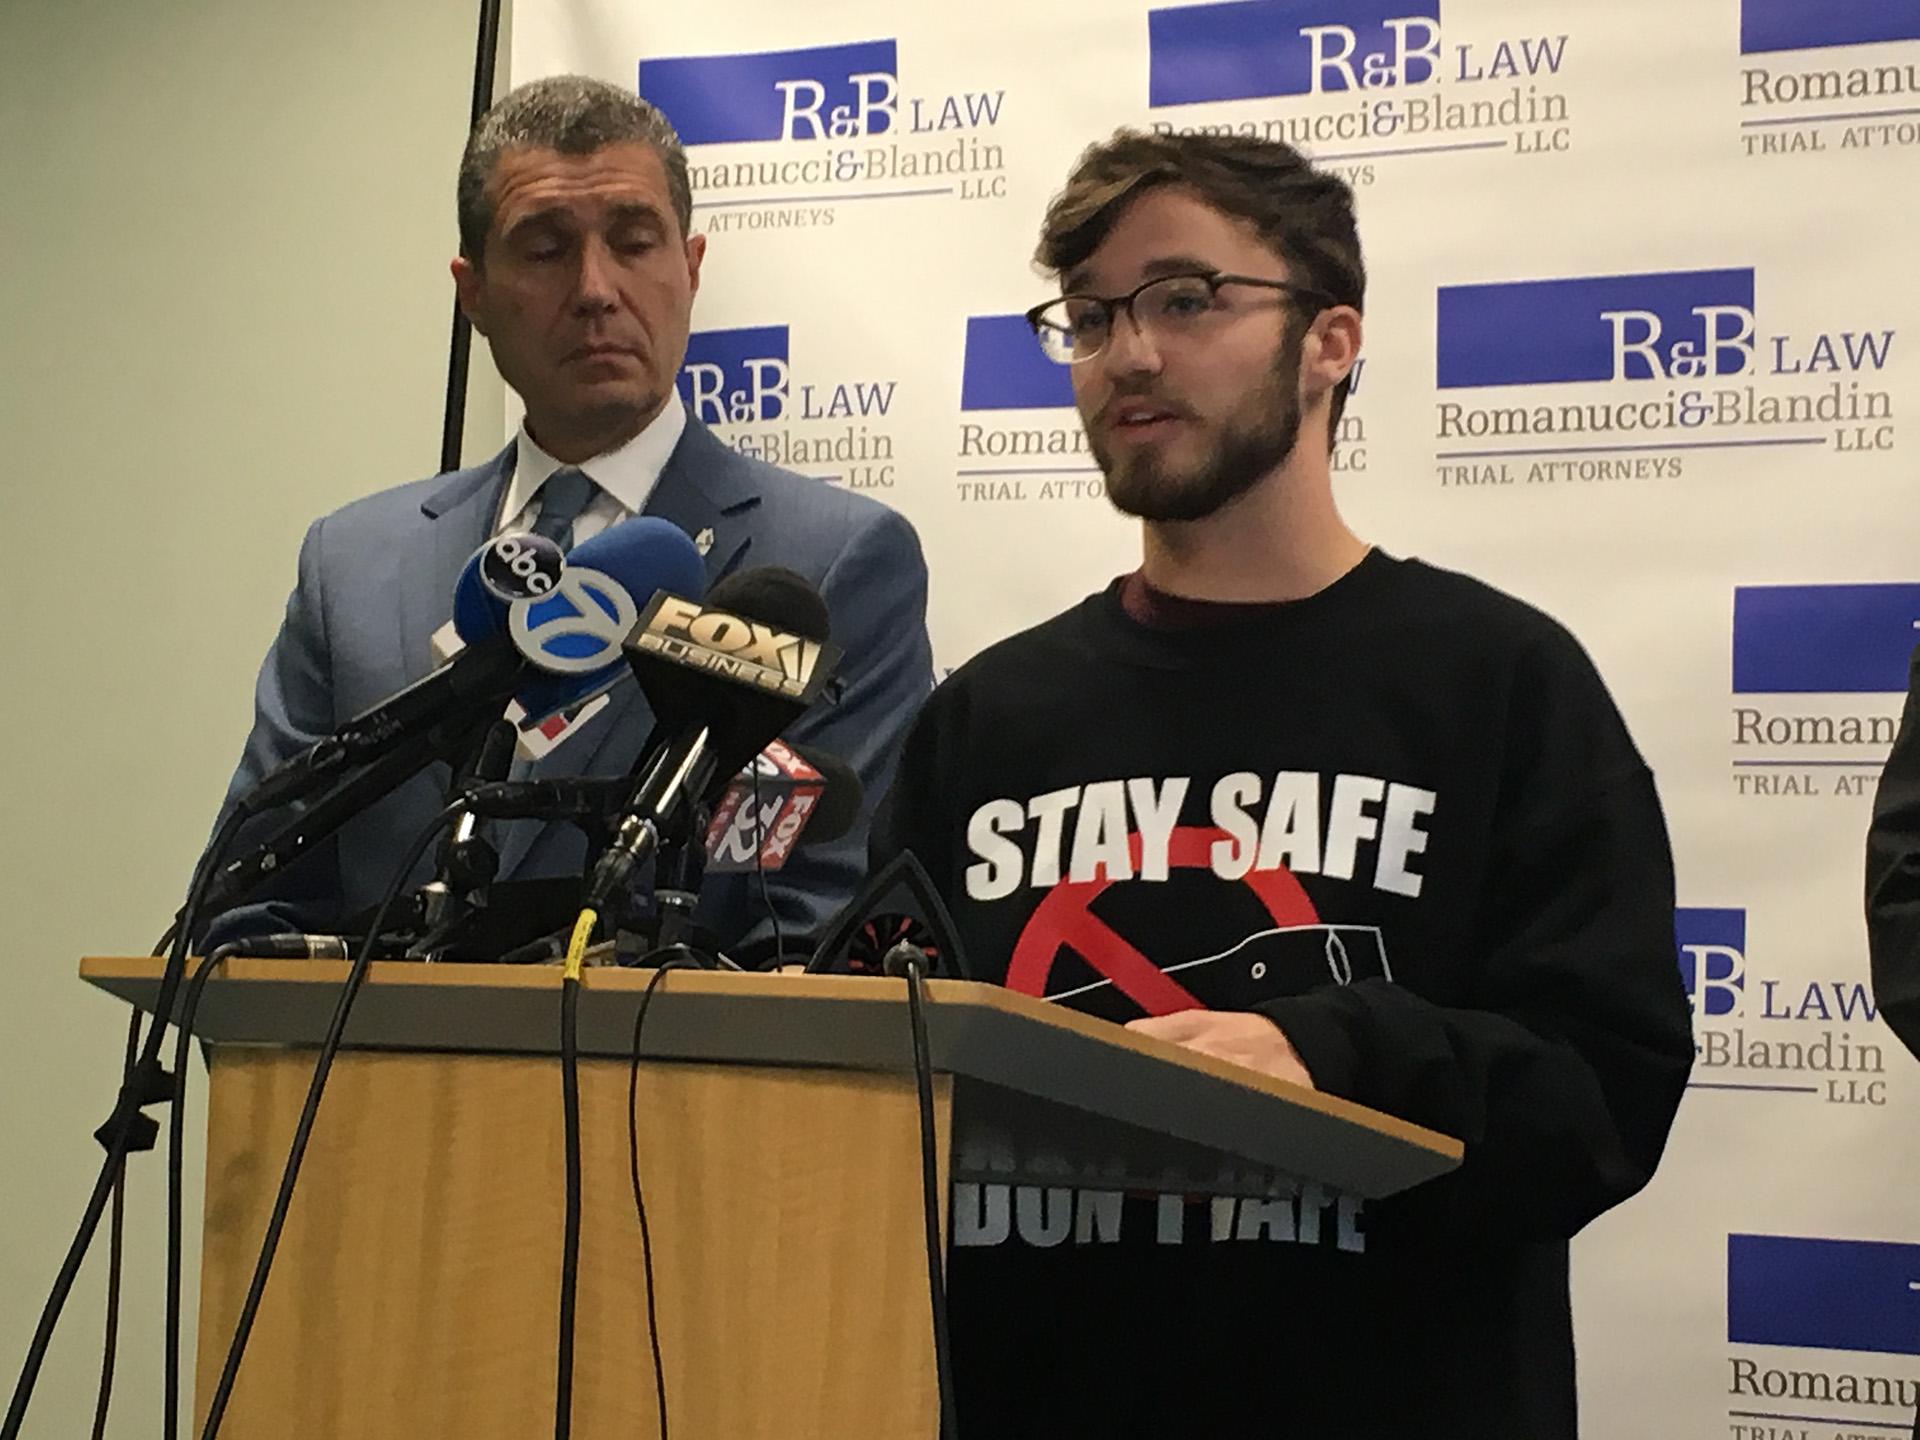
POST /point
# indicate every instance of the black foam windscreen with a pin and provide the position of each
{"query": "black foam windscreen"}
(841, 798)
(777, 596)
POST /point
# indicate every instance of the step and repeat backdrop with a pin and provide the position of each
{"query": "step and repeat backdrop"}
(1641, 348)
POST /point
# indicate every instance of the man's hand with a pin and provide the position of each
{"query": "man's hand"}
(1235, 1035)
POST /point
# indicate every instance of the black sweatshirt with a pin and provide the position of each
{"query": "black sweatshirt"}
(1404, 820)
(1893, 877)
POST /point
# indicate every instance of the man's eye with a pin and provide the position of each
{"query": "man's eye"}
(1187, 302)
(633, 237)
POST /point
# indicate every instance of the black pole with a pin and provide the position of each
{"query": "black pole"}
(460, 348)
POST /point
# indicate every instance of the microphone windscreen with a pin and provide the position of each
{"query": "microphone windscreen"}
(841, 799)
(645, 554)
(640, 556)
(509, 567)
(776, 596)
(477, 612)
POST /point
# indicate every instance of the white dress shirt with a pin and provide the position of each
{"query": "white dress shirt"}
(624, 478)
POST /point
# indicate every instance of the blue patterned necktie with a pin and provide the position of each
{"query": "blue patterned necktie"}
(565, 494)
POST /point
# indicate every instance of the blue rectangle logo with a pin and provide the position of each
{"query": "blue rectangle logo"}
(1767, 25)
(1702, 927)
(1712, 947)
(1823, 1294)
(1247, 49)
(1601, 327)
(1824, 639)
(1005, 368)
(735, 377)
(829, 93)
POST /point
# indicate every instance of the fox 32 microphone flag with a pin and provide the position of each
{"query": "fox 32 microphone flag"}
(1641, 348)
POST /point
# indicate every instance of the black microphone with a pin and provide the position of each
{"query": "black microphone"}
(836, 802)
(551, 652)
(466, 862)
(479, 676)
(723, 678)
(570, 798)
(577, 657)
(239, 878)
(295, 947)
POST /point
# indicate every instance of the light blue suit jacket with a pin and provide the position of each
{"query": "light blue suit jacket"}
(376, 581)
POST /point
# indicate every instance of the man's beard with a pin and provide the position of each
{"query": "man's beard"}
(1251, 443)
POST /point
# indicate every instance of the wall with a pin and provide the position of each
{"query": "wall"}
(224, 230)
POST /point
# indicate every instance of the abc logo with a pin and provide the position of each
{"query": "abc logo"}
(578, 627)
(521, 567)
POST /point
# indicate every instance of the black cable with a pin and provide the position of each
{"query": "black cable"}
(127, 1129)
(570, 1244)
(633, 1167)
(303, 1132)
(110, 1341)
(176, 1182)
(930, 1194)
(116, 1247)
(760, 864)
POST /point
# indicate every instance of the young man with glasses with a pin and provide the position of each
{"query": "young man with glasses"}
(1352, 820)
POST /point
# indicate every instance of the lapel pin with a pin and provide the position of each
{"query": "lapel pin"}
(703, 542)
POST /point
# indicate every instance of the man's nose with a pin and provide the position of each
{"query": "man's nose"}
(594, 288)
(1130, 347)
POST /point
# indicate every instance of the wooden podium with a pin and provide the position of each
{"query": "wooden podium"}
(414, 1294)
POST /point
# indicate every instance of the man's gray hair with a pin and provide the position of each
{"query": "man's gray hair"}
(576, 116)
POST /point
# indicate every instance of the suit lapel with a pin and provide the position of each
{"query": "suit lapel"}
(708, 491)
(461, 517)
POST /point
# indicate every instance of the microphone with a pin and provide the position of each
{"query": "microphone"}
(507, 568)
(830, 785)
(570, 628)
(723, 678)
(758, 822)
(295, 947)
(466, 862)
(573, 631)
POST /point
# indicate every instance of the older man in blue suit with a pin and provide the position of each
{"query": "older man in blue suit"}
(577, 264)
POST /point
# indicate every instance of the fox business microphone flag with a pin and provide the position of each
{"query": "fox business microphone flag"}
(1641, 348)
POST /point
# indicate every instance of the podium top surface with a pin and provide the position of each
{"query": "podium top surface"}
(1013, 1057)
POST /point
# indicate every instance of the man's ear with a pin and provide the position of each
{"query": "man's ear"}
(468, 285)
(1332, 347)
(696, 252)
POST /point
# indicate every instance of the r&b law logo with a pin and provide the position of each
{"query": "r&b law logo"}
(1021, 438)
(827, 126)
(1821, 1331)
(1799, 97)
(1355, 82)
(742, 382)
(1664, 363)
(1819, 679)
(1759, 1032)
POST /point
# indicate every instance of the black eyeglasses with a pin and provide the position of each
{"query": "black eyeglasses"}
(1173, 307)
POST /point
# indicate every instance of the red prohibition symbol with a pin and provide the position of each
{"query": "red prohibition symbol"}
(1065, 920)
